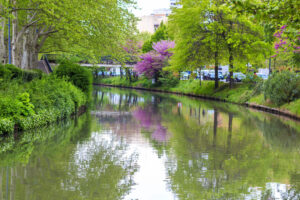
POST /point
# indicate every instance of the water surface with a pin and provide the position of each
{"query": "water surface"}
(141, 145)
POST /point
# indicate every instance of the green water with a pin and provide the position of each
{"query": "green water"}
(146, 146)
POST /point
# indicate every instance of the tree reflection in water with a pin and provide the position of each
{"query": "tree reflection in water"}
(74, 163)
(220, 151)
(200, 149)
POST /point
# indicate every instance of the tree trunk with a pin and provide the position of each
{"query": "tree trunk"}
(216, 69)
(156, 76)
(270, 63)
(32, 48)
(121, 72)
(2, 41)
(24, 62)
(14, 40)
(200, 77)
(230, 67)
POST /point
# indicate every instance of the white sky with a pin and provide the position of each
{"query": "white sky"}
(147, 6)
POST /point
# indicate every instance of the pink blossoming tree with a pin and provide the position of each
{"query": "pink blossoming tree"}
(152, 62)
(285, 45)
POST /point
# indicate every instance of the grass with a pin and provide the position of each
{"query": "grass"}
(240, 93)
(293, 107)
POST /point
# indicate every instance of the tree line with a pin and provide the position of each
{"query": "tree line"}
(238, 33)
(92, 28)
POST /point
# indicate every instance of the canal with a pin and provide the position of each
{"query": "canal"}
(151, 146)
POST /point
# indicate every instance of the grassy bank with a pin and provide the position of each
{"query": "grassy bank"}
(31, 103)
(240, 93)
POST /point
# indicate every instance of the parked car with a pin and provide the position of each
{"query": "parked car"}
(184, 76)
(205, 74)
(237, 77)
(211, 76)
(263, 76)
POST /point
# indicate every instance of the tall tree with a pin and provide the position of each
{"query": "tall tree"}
(74, 26)
(219, 35)
(151, 63)
(274, 15)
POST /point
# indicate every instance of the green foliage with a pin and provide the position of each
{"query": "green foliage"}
(9, 72)
(211, 33)
(25, 106)
(145, 82)
(79, 76)
(282, 87)
(9, 106)
(39, 102)
(97, 28)
(147, 46)
(56, 93)
(160, 34)
(16, 72)
(5, 73)
(6, 126)
(13, 107)
(168, 80)
(38, 120)
(252, 79)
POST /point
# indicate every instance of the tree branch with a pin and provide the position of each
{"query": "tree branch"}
(48, 32)
(28, 9)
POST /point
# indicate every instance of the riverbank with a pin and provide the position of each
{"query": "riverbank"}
(31, 103)
(246, 94)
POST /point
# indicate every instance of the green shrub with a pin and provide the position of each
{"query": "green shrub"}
(16, 72)
(6, 126)
(16, 106)
(30, 75)
(168, 80)
(43, 118)
(79, 76)
(146, 83)
(252, 79)
(26, 108)
(8, 72)
(282, 87)
(5, 73)
(10, 107)
(39, 102)
(56, 93)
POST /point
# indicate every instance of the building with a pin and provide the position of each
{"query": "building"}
(151, 22)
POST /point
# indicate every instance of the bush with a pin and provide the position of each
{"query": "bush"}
(168, 80)
(79, 76)
(30, 75)
(282, 87)
(252, 79)
(5, 73)
(16, 72)
(52, 92)
(26, 108)
(37, 103)
(10, 107)
(145, 82)
(9, 72)
(6, 126)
